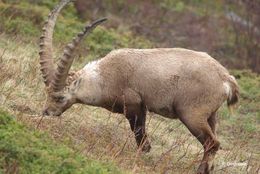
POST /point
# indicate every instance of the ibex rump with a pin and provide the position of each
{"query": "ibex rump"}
(172, 82)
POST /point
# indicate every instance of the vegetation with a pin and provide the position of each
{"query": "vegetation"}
(25, 18)
(87, 139)
(228, 30)
(24, 150)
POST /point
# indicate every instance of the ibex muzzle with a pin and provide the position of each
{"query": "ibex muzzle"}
(57, 103)
(172, 82)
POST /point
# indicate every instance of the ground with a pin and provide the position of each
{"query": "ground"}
(100, 135)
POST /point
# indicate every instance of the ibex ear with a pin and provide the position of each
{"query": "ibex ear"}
(71, 77)
(74, 84)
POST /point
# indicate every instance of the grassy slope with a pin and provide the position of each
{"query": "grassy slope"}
(24, 150)
(101, 135)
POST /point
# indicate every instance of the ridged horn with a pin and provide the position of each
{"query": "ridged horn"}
(66, 60)
(46, 57)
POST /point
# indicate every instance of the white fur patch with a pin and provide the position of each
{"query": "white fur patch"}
(227, 89)
(92, 66)
(91, 91)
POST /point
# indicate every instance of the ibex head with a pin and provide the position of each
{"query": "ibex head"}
(59, 96)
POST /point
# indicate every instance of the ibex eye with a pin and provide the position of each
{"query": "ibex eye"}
(59, 99)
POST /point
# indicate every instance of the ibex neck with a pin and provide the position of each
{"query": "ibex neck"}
(88, 86)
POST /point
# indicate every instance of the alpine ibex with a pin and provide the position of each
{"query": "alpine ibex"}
(172, 82)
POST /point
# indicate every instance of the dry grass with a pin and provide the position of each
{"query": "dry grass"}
(101, 135)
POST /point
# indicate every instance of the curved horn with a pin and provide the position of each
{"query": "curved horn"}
(66, 60)
(46, 59)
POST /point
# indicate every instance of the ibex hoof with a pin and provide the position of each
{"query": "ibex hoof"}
(203, 169)
(146, 147)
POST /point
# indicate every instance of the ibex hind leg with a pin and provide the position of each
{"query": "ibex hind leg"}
(212, 120)
(201, 129)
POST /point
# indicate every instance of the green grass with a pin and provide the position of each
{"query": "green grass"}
(26, 19)
(25, 150)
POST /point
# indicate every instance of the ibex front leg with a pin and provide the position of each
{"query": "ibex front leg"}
(135, 112)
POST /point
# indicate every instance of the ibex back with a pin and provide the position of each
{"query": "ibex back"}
(172, 82)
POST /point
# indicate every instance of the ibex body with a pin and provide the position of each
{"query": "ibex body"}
(172, 82)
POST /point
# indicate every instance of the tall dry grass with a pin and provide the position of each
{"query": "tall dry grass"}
(104, 136)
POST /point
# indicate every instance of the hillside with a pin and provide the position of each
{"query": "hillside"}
(227, 30)
(93, 140)
(26, 150)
